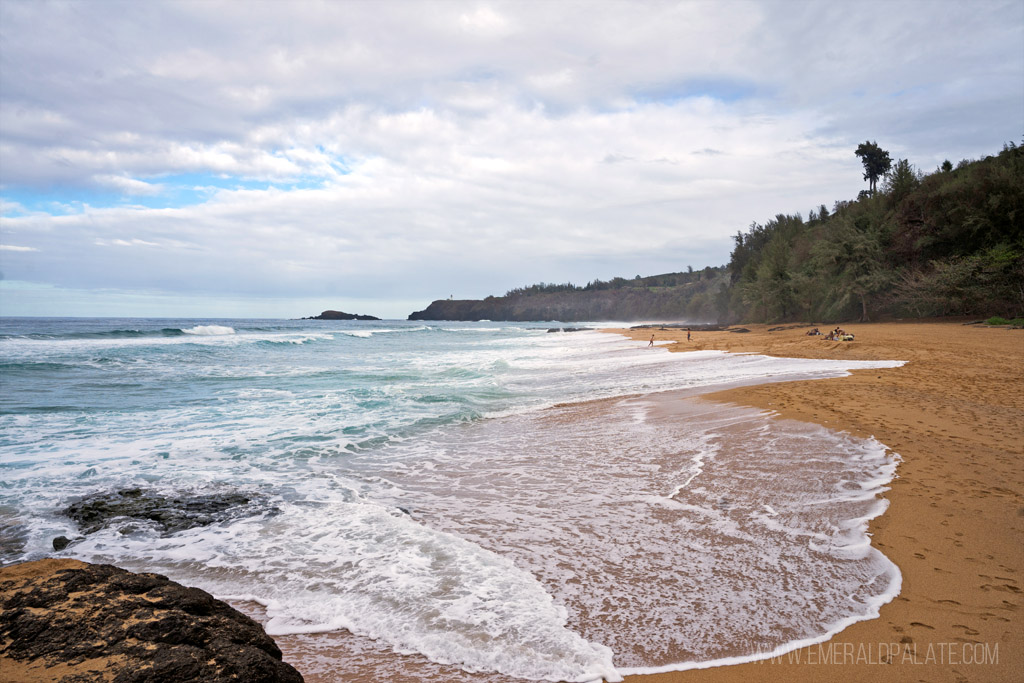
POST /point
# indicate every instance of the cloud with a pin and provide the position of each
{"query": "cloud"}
(514, 195)
(11, 247)
(129, 186)
(485, 22)
(405, 150)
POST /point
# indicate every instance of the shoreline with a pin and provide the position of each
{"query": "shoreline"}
(309, 651)
(952, 416)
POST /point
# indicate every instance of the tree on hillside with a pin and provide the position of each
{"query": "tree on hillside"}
(855, 259)
(876, 162)
(901, 181)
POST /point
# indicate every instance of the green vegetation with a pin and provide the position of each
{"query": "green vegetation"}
(914, 245)
(693, 295)
(997, 320)
(948, 243)
(652, 281)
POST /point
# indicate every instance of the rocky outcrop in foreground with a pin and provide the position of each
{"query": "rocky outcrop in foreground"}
(65, 620)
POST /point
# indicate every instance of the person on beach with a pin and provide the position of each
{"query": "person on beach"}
(687, 334)
(652, 342)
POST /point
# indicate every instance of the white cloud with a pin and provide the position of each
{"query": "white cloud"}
(128, 243)
(552, 79)
(11, 247)
(517, 195)
(484, 21)
(129, 186)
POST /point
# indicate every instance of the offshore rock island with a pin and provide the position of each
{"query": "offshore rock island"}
(340, 315)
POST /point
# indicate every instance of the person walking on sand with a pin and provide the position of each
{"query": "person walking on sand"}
(687, 334)
(652, 342)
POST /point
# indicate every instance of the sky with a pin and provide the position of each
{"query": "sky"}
(275, 159)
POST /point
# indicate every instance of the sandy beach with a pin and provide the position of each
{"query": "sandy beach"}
(955, 525)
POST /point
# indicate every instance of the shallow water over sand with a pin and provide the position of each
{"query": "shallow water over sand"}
(674, 530)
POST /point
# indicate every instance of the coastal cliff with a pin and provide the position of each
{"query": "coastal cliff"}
(673, 296)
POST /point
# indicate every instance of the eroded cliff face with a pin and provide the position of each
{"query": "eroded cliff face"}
(65, 620)
(626, 304)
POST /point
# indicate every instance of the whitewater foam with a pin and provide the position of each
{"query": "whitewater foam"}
(649, 513)
(342, 562)
(212, 330)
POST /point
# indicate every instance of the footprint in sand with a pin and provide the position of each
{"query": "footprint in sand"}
(1002, 619)
(967, 629)
(918, 623)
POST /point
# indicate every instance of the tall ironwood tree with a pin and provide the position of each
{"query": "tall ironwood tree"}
(876, 162)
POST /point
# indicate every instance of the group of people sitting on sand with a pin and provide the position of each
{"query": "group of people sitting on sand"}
(834, 335)
(838, 335)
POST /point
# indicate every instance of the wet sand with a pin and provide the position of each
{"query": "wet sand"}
(955, 525)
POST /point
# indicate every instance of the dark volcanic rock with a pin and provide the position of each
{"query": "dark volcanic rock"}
(168, 514)
(70, 621)
(339, 315)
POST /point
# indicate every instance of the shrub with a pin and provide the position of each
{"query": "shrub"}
(997, 320)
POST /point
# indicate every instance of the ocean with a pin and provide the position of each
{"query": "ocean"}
(458, 498)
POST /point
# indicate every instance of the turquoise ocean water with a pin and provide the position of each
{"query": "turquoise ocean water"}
(487, 496)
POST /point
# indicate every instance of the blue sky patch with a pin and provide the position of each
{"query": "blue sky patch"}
(724, 90)
(170, 192)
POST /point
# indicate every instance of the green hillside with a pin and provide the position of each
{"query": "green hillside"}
(946, 243)
(950, 242)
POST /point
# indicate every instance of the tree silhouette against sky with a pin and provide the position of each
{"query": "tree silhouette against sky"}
(876, 162)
